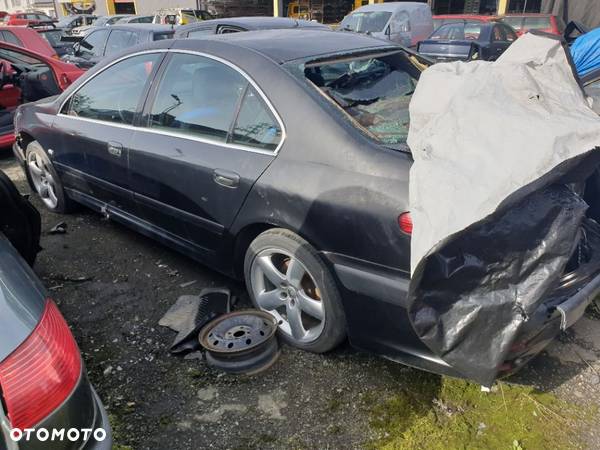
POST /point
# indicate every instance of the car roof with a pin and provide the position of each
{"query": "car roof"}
(392, 7)
(152, 27)
(259, 22)
(287, 45)
(472, 17)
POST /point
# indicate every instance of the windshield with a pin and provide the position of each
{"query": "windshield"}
(53, 37)
(458, 32)
(114, 20)
(101, 21)
(64, 22)
(366, 22)
(374, 91)
(18, 58)
(515, 22)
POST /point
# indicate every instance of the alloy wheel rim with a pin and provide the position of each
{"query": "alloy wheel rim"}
(43, 180)
(283, 287)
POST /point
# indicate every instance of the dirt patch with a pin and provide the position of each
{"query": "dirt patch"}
(114, 285)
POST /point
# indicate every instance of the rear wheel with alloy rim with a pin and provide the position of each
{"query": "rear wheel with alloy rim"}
(286, 277)
(44, 179)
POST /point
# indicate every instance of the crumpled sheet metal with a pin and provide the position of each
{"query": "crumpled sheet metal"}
(494, 145)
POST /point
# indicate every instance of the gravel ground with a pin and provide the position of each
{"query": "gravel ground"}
(156, 400)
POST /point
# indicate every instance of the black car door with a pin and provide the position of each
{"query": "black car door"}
(90, 50)
(96, 127)
(209, 135)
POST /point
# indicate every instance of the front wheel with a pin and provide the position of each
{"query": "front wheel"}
(44, 180)
(286, 277)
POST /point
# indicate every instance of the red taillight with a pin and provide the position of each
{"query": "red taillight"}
(41, 373)
(405, 222)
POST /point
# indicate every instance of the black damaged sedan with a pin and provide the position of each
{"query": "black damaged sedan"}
(278, 157)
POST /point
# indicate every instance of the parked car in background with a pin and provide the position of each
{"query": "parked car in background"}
(103, 21)
(55, 39)
(444, 19)
(26, 76)
(29, 19)
(135, 19)
(468, 41)
(106, 41)
(522, 23)
(28, 38)
(237, 24)
(42, 376)
(180, 16)
(405, 23)
(80, 20)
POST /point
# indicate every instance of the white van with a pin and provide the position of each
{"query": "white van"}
(406, 23)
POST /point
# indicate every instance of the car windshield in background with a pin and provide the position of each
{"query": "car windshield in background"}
(537, 23)
(458, 32)
(18, 58)
(366, 22)
(101, 21)
(374, 91)
(515, 22)
(53, 37)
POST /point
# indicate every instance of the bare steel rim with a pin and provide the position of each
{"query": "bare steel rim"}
(284, 287)
(42, 178)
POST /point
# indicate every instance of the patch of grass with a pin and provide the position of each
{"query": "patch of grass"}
(117, 433)
(441, 413)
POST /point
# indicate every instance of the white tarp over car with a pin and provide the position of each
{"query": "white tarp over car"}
(494, 221)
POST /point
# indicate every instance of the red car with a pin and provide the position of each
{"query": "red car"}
(522, 23)
(443, 19)
(27, 76)
(28, 19)
(27, 38)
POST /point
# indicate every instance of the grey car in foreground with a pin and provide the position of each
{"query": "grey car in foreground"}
(46, 400)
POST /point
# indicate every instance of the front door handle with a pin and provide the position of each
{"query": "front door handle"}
(226, 178)
(115, 149)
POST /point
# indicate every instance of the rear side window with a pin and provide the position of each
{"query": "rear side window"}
(93, 45)
(255, 125)
(536, 23)
(8, 36)
(114, 94)
(197, 96)
(162, 36)
(119, 40)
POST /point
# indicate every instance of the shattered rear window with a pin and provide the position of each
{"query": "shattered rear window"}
(374, 91)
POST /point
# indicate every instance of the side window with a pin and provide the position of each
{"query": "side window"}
(498, 34)
(255, 125)
(197, 96)
(198, 33)
(93, 45)
(8, 36)
(114, 94)
(119, 40)
(511, 36)
(226, 29)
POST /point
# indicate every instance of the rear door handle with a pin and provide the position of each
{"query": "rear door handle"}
(115, 149)
(226, 178)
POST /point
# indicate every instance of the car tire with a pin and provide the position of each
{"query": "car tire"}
(286, 277)
(44, 180)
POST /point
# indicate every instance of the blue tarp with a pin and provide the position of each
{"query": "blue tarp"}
(586, 52)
